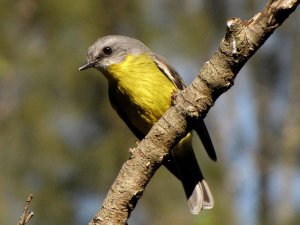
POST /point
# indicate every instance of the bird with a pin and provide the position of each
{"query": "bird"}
(140, 87)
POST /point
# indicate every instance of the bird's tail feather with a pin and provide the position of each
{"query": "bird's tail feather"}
(183, 164)
(203, 134)
(201, 198)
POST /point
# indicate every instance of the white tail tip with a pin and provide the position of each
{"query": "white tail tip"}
(201, 198)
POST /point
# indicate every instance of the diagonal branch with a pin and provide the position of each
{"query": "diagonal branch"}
(241, 41)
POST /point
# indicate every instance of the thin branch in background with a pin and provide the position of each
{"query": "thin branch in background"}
(24, 219)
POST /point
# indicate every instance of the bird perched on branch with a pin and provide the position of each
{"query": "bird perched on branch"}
(141, 84)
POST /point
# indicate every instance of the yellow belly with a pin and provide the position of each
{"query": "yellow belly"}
(143, 91)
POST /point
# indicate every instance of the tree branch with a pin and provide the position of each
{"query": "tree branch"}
(241, 41)
(26, 217)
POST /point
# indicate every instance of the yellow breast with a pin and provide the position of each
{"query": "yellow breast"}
(144, 92)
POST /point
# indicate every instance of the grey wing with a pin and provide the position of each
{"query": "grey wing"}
(200, 127)
(169, 71)
(114, 103)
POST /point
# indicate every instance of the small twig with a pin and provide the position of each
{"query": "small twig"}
(24, 219)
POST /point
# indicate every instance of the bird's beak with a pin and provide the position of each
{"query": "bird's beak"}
(87, 65)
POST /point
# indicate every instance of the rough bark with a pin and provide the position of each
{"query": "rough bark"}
(241, 41)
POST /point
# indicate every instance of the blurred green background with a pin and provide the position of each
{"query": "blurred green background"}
(61, 141)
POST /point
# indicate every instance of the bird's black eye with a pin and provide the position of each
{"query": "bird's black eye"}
(107, 50)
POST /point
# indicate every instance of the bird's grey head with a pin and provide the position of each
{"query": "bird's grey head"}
(112, 49)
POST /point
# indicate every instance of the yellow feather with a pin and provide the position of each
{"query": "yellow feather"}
(145, 92)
